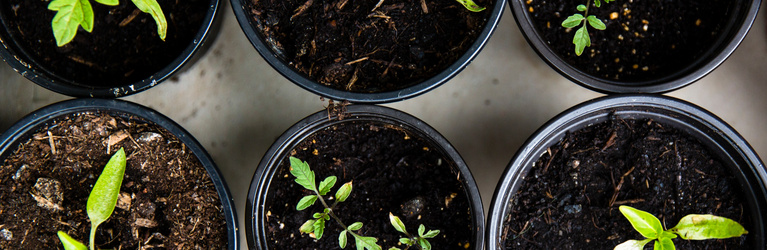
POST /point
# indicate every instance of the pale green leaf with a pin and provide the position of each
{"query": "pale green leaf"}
(581, 40)
(355, 226)
(327, 184)
(342, 239)
(664, 244)
(304, 175)
(470, 5)
(153, 8)
(397, 223)
(108, 2)
(425, 245)
(572, 21)
(706, 226)
(394, 248)
(596, 23)
(421, 230)
(103, 198)
(306, 202)
(70, 243)
(406, 241)
(431, 234)
(667, 234)
(632, 245)
(645, 223)
(319, 228)
(70, 14)
(364, 242)
(344, 191)
(581, 7)
(597, 3)
(307, 227)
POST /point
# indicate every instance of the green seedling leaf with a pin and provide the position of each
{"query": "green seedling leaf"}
(581, 40)
(304, 175)
(597, 3)
(667, 235)
(470, 5)
(431, 234)
(307, 227)
(69, 243)
(344, 191)
(397, 223)
(596, 23)
(645, 223)
(355, 226)
(103, 198)
(306, 202)
(581, 7)
(664, 244)
(319, 228)
(153, 8)
(706, 226)
(394, 248)
(425, 245)
(70, 14)
(406, 241)
(364, 242)
(633, 244)
(327, 184)
(108, 2)
(342, 239)
(573, 21)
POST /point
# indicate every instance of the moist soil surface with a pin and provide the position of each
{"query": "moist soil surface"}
(570, 198)
(123, 48)
(391, 170)
(357, 46)
(167, 200)
(644, 39)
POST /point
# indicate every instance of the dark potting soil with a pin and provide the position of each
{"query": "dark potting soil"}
(355, 46)
(644, 39)
(570, 198)
(167, 199)
(391, 171)
(123, 48)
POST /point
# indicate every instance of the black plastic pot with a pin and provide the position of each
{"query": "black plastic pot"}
(255, 229)
(16, 56)
(24, 128)
(250, 26)
(734, 33)
(720, 139)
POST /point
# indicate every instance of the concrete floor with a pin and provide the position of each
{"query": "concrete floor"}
(236, 105)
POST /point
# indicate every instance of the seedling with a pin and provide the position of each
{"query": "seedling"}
(71, 14)
(691, 227)
(316, 227)
(102, 200)
(582, 39)
(421, 240)
(470, 5)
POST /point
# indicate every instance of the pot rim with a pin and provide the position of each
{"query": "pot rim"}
(731, 148)
(698, 69)
(21, 131)
(319, 120)
(249, 28)
(12, 54)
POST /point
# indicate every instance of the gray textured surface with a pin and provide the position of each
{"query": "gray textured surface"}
(236, 105)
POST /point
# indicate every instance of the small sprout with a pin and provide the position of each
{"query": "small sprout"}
(72, 14)
(470, 5)
(306, 178)
(690, 227)
(420, 240)
(582, 39)
(102, 199)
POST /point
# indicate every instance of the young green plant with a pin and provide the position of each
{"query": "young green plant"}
(421, 240)
(582, 39)
(72, 14)
(470, 5)
(316, 226)
(690, 227)
(101, 201)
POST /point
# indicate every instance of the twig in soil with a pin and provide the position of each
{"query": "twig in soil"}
(546, 168)
(50, 141)
(379, 14)
(618, 188)
(341, 4)
(595, 224)
(377, 5)
(624, 202)
(25, 238)
(302, 9)
(130, 18)
(424, 7)
(386, 71)
(86, 63)
(356, 61)
(353, 80)
(611, 141)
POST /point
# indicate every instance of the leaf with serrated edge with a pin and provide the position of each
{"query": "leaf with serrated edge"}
(664, 244)
(103, 198)
(327, 184)
(581, 40)
(70, 243)
(342, 239)
(153, 8)
(355, 226)
(304, 175)
(364, 242)
(572, 21)
(431, 234)
(596, 23)
(643, 222)
(319, 228)
(397, 223)
(70, 14)
(344, 191)
(706, 226)
(632, 245)
(306, 202)
(470, 5)
(421, 230)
